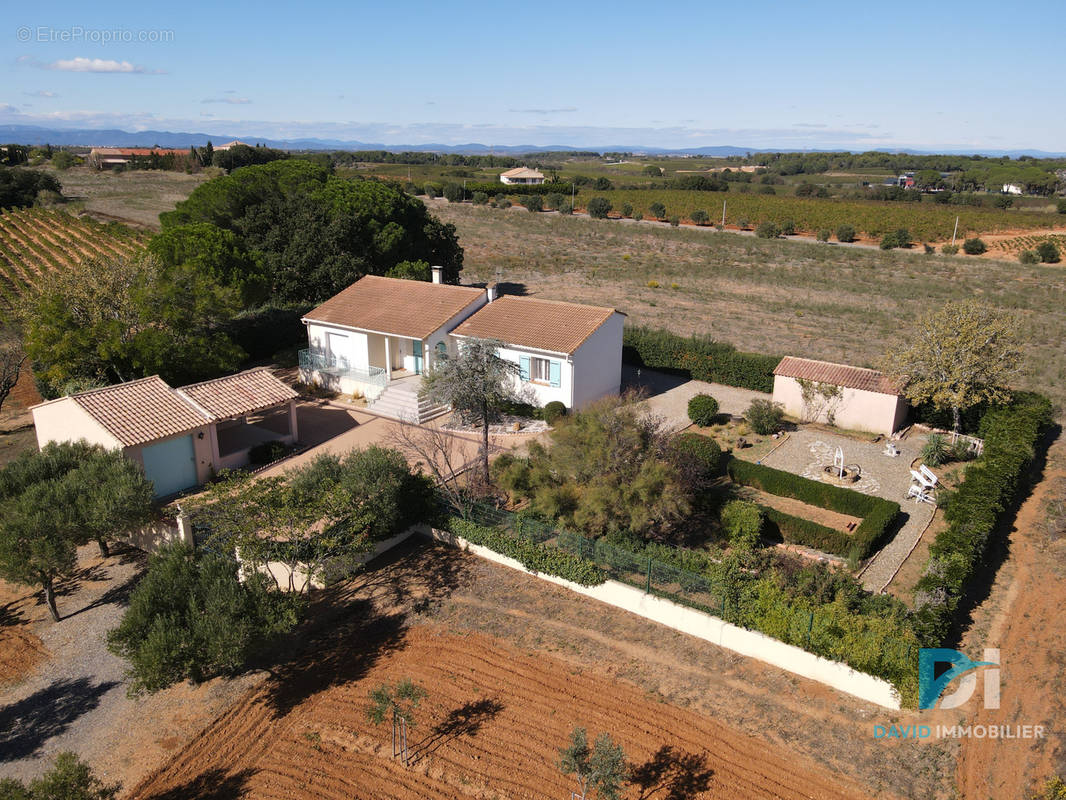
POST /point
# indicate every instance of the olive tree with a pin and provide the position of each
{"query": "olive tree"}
(396, 704)
(12, 359)
(601, 768)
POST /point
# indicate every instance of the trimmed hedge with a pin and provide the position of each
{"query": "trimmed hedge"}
(877, 513)
(493, 189)
(796, 530)
(701, 357)
(532, 555)
(988, 495)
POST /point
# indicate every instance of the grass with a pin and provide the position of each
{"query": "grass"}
(814, 300)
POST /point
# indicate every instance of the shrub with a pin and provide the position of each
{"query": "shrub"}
(599, 207)
(845, 233)
(638, 216)
(554, 411)
(764, 416)
(962, 450)
(70, 778)
(767, 190)
(453, 192)
(657, 210)
(1048, 252)
(742, 521)
(796, 530)
(743, 223)
(767, 230)
(432, 190)
(627, 209)
(701, 453)
(935, 451)
(929, 249)
(533, 202)
(675, 220)
(788, 228)
(553, 201)
(603, 185)
(974, 247)
(566, 208)
(1028, 257)
(269, 452)
(63, 160)
(502, 202)
(897, 238)
(479, 198)
(949, 249)
(1060, 206)
(413, 189)
(703, 410)
(823, 235)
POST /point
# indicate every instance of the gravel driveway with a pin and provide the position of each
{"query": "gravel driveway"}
(668, 395)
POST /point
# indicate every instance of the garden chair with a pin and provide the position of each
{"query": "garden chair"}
(929, 476)
(921, 480)
(891, 450)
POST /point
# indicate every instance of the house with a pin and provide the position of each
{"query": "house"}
(565, 352)
(378, 336)
(107, 157)
(848, 397)
(1012, 188)
(227, 145)
(522, 175)
(180, 437)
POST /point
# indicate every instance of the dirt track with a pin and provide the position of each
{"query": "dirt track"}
(490, 727)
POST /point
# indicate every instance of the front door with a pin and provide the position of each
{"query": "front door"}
(418, 357)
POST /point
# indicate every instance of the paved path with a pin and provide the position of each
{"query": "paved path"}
(668, 395)
(807, 451)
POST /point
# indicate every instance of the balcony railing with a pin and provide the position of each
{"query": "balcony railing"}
(319, 361)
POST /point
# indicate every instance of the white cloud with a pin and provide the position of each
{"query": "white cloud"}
(567, 110)
(233, 101)
(81, 64)
(40, 93)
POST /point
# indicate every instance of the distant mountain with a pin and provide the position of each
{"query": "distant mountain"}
(96, 137)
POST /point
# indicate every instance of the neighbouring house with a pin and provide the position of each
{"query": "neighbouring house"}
(106, 157)
(522, 175)
(1012, 188)
(227, 145)
(848, 397)
(376, 338)
(180, 437)
(567, 352)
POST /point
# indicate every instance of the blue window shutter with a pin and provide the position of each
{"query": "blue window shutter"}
(523, 367)
(556, 373)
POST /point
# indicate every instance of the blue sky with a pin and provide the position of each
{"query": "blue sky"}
(935, 74)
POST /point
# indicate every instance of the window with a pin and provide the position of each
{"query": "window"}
(539, 369)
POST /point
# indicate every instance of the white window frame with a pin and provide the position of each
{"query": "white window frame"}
(540, 370)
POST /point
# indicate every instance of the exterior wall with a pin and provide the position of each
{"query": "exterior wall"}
(205, 465)
(64, 420)
(443, 334)
(598, 363)
(542, 393)
(856, 410)
(356, 347)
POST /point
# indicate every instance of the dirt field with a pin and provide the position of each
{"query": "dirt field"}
(135, 198)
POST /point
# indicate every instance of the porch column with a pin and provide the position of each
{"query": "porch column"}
(294, 430)
(388, 361)
(216, 457)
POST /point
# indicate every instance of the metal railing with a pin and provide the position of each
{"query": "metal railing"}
(319, 361)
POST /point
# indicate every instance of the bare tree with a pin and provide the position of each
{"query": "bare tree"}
(12, 359)
(438, 452)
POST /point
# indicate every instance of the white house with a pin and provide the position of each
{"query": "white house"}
(848, 397)
(1012, 188)
(565, 351)
(523, 175)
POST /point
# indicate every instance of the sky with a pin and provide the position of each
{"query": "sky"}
(939, 74)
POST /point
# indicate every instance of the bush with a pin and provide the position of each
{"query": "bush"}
(553, 201)
(432, 190)
(70, 778)
(269, 452)
(1048, 252)
(949, 249)
(897, 238)
(495, 188)
(767, 230)
(637, 216)
(675, 220)
(699, 217)
(701, 453)
(974, 247)
(935, 451)
(627, 210)
(533, 556)
(764, 416)
(603, 185)
(533, 202)
(1028, 257)
(742, 521)
(796, 530)
(479, 198)
(824, 234)
(566, 208)
(657, 210)
(63, 160)
(1060, 206)
(599, 207)
(743, 223)
(788, 228)
(502, 202)
(845, 233)
(703, 410)
(553, 412)
(699, 357)
(453, 192)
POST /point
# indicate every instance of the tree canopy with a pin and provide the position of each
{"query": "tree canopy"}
(312, 233)
(19, 187)
(70, 778)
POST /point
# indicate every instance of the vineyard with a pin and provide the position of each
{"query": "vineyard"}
(927, 222)
(35, 241)
(1016, 244)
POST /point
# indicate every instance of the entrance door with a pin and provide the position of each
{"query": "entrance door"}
(170, 465)
(418, 357)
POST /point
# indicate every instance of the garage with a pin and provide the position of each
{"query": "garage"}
(170, 465)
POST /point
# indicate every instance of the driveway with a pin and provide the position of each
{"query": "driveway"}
(668, 395)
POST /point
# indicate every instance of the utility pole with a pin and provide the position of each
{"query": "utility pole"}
(955, 232)
(723, 213)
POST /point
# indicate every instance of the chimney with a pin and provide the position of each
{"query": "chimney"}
(437, 273)
(491, 292)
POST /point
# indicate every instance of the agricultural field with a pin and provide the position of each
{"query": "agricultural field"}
(36, 241)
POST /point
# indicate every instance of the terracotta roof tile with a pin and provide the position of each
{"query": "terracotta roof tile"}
(550, 325)
(412, 309)
(869, 380)
(236, 395)
(522, 172)
(140, 411)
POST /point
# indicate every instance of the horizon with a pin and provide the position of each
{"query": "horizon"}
(700, 77)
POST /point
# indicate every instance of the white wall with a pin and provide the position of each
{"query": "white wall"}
(856, 409)
(712, 629)
(354, 349)
(543, 393)
(63, 420)
(598, 363)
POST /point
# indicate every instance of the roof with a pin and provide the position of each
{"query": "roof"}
(868, 380)
(137, 151)
(550, 325)
(236, 395)
(140, 411)
(522, 172)
(412, 309)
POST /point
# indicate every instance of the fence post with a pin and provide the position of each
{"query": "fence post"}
(647, 583)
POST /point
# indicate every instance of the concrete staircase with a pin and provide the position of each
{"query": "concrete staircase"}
(401, 401)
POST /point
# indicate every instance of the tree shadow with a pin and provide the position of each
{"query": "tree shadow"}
(215, 784)
(68, 585)
(27, 724)
(672, 774)
(512, 288)
(463, 721)
(11, 614)
(651, 382)
(119, 595)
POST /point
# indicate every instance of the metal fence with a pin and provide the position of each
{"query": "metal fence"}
(329, 364)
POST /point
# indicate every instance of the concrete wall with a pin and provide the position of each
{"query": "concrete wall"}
(542, 392)
(855, 409)
(63, 420)
(152, 537)
(598, 363)
(711, 629)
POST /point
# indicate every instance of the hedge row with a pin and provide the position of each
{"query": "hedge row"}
(533, 556)
(988, 495)
(877, 513)
(796, 530)
(493, 189)
(701, 357)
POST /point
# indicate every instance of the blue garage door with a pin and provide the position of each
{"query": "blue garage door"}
(170, 465)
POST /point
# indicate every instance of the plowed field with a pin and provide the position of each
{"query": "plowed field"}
(491, 726)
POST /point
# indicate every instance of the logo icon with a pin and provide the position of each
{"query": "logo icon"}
(931, 687)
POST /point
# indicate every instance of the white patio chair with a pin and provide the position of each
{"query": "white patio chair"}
(921, 480)
(929, 476)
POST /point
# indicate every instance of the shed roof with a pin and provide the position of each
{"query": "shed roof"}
(236, 395)
(412, 309)
(868, 380)
(140, 411)
(551, 325)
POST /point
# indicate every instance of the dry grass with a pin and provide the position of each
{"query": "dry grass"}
(815, 300)
(136, 198)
